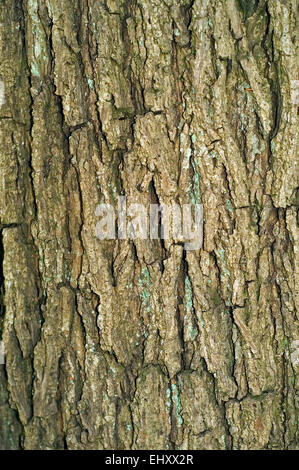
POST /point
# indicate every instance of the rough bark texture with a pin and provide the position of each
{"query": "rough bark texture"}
(130, 345)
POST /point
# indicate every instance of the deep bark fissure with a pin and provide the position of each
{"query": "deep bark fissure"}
(131, 344)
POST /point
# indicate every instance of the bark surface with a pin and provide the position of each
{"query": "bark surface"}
(123, 344)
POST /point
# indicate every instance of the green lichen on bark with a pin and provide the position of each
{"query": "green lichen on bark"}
(138, 344)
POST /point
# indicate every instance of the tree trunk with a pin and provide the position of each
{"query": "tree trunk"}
(139, 344)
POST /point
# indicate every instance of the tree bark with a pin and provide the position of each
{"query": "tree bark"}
(139, 344)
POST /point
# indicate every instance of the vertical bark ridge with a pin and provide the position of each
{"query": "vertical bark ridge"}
(131, 344)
